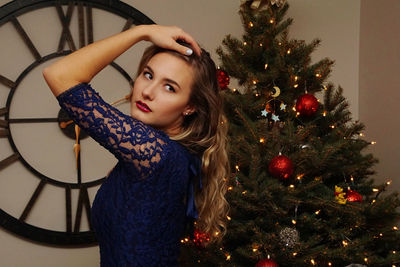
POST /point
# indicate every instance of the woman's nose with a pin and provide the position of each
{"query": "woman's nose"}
(149, 91)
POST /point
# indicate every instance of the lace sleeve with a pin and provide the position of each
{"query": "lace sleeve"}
(128, 139)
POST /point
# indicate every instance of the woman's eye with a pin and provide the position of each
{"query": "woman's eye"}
(170, 88)
(147, 75)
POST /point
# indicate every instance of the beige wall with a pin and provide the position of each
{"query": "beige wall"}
(337, 23)
(380, 84)
(208, 20)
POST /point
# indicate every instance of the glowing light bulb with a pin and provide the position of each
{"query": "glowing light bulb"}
(265, 66)
(271, 21)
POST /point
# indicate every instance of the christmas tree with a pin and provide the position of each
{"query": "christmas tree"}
(301, 192)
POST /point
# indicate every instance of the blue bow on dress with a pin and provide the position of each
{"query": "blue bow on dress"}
(195, 169)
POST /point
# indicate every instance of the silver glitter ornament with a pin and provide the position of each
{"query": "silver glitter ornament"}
(289, 237)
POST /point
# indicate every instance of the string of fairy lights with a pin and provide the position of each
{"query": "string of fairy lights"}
(255, 248)
(299, 177)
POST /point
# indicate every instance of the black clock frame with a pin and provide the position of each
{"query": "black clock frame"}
(71, 237)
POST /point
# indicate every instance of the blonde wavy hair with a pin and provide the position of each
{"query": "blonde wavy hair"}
(204, 133)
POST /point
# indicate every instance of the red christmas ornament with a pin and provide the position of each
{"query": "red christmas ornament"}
(307, 105)
(223, 79)
(353, 196)
(280, 167)
(267, 263)
(200, 239)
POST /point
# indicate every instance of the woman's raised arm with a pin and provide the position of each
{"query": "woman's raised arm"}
(82, 65)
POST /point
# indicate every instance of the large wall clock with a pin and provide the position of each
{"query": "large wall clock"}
(46, 183)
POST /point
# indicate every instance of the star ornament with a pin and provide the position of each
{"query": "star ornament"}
(275, 118)
(283, 106)
(264, 113)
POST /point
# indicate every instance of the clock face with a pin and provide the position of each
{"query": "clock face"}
(48, 176)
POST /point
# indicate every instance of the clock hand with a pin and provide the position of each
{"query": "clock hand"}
(64, 124)
(125, 98)
(77, 146)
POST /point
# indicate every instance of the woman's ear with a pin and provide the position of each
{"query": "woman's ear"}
(189, 110)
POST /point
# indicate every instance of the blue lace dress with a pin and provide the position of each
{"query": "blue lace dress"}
(140, 211)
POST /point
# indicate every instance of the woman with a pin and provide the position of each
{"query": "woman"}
(174, 139)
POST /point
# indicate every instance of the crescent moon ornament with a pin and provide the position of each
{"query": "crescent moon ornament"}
(277, 91)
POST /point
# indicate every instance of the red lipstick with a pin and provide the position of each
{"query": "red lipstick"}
(142, 106)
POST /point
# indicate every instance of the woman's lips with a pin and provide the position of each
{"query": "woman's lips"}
(142, 106)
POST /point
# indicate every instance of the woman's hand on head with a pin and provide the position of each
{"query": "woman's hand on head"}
(167, 37)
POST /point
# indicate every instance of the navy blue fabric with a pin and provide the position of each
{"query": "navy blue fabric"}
(140, 211)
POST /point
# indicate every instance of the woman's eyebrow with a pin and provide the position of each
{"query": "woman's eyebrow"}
(166, 79)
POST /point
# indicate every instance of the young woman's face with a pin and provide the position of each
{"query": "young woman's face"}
(161, 93)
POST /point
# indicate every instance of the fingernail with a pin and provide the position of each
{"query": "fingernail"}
(189, 52)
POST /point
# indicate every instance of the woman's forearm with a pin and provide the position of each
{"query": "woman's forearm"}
(83, 64)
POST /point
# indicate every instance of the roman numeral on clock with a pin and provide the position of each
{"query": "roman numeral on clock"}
(82, 206)
(4, 132)
(7, 82)
(85, 29)
(26, 38)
